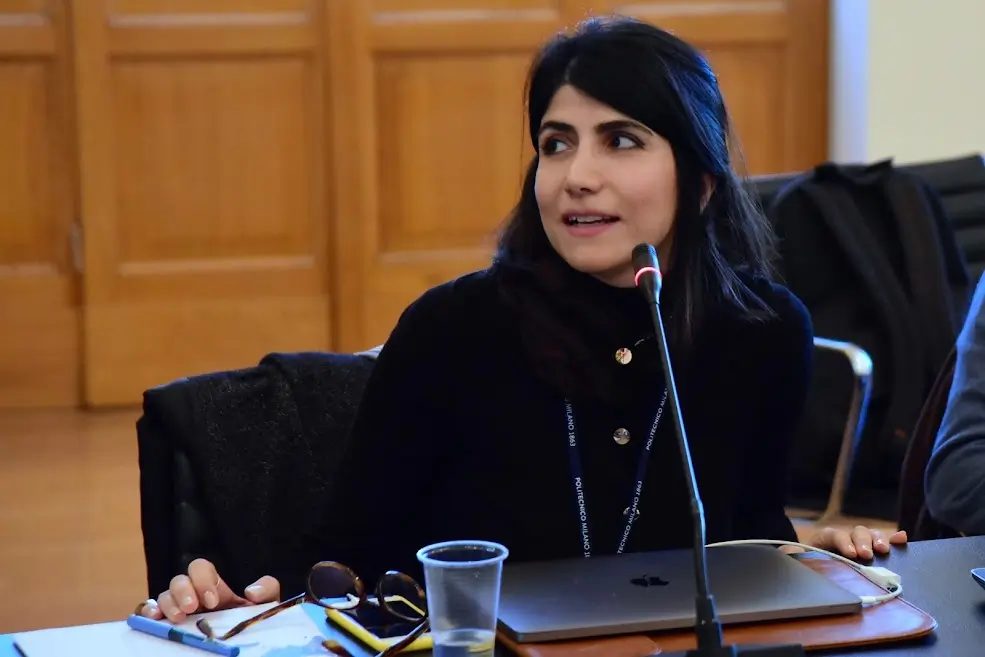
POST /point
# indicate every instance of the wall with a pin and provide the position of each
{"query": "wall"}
(907, 79)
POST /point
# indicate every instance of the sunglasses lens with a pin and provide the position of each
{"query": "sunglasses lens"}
(334, 585)
(403, 597)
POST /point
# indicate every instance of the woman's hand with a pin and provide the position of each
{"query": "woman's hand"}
(860, 542)
(203, 590)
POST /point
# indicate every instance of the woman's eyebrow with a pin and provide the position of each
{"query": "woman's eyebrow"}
(601, 128)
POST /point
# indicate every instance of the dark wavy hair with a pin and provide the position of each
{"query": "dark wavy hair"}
(668, 85)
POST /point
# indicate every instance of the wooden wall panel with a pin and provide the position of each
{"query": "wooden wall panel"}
(39, 323)
(203, 187)
(436, 134)
(190, 184)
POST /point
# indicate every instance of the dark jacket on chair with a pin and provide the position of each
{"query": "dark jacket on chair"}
(233, 463)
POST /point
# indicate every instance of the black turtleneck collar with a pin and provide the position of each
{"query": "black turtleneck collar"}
(572, 324)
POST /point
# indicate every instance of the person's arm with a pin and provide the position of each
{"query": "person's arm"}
(382, 497)
(774, 394)
(955, 479)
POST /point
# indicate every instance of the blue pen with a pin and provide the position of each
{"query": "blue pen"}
(170, 632)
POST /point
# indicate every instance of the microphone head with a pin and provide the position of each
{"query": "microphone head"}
(644, 255)
(647, 269)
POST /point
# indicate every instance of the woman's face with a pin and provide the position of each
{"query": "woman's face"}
(604, 184)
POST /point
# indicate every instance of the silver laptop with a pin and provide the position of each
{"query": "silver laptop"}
(654, 591)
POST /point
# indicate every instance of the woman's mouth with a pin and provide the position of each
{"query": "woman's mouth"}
(588, 225)
(588, 219)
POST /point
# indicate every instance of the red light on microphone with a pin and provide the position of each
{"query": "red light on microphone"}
(643, 270)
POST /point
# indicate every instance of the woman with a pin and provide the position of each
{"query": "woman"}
(496, 390)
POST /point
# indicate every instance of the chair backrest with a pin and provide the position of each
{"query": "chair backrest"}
(913, 516)
(959, 181)
(907, 349)
(232, 463)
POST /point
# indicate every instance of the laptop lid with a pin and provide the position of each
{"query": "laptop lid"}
(654, 591)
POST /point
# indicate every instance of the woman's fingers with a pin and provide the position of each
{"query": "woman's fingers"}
(150, 609)
(183, 594)
(211, 590)
(170, 608)
(265, 589)
(862, 539)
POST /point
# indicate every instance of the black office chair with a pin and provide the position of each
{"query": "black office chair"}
(914, 517)
(231, 463)
(859, 367)
(960, 183)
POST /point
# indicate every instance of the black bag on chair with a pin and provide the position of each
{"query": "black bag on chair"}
(871, 252)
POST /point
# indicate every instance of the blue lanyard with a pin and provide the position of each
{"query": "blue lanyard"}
(579, 481)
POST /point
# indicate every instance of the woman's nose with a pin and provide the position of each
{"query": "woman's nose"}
(583, 174)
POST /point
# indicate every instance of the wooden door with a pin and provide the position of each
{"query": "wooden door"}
(432, 127)
(39, 324)
(432, 124)
(203, 186)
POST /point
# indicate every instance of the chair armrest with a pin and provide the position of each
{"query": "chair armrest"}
(372, 353)
(861, 364)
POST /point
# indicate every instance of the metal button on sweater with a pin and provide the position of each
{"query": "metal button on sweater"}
(623, 356)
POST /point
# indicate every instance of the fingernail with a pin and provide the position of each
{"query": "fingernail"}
(210, 600)
(149, 609)
(851, 550)
(879, 541)
(254, 589)
(187, 601)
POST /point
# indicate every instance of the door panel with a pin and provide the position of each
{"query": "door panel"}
(203, 187)
(39, 315)
(439, 142)
(432, 126)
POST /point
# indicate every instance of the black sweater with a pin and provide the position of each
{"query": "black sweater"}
(456, 437)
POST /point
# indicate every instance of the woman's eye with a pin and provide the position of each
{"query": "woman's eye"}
(623, 141)
(552, 146)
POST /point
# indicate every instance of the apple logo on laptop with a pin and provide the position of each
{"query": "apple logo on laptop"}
(648, 580)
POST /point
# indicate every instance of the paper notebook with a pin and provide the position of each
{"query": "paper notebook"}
(296, 632)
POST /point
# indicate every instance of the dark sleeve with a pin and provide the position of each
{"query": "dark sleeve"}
(955, 480)
(774, 392)
(381, 500)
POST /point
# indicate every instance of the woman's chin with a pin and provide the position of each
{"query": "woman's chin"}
(610, 272)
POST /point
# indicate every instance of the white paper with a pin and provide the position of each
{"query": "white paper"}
(290, 633)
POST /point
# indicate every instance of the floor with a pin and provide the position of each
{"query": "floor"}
(70, 542)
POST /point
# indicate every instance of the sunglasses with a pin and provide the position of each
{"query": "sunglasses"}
(335, 586)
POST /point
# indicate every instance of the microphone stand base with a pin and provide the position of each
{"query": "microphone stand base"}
(780, 650)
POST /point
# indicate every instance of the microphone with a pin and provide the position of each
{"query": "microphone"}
(708, 629)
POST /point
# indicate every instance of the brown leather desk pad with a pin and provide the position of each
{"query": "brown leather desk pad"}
(886, 622)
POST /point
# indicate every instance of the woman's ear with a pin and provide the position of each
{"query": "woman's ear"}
(709, 190)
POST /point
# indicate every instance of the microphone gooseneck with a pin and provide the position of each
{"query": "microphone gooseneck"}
(708, 628)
